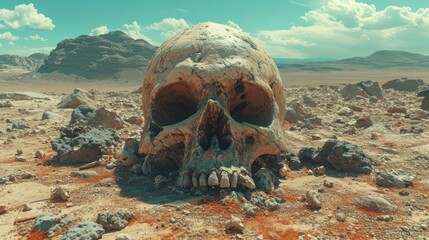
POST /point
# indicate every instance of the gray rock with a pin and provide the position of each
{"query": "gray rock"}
(313, 199)
(425, 103)
(393, 180)
(84, 116)
(77, 98)
(51, 224)
(423, 93)
(296, 113)
(85, 230)
(341, 217)
(51, 116)
(76, 146)
(17, 96)
(114, 221)
(403, 84)
(364, 89)
(249, 209)
(84, 173)
(374, 203)
(6, 104)
(345, 111)
(123, 236)
(344, 156)
(39, 154)
(293, 160)
(235, 224)
(271, 204)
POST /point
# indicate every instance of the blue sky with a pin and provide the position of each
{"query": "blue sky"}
(287, 28)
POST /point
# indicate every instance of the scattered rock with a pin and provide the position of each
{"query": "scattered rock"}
(77, 98)
(393, 180)
(374, 203)
(309, 101)
(403, 84)
(293, 160)
(234, 225)
(328, 183)
(341, 217)
(123, 236)
(114, 221)
(344, 156)
(2, 209)
(313, 199)
(249, 209)
(345, 111)
(271, 204)
(84, 174)
(84, 230)
(60, 194)
(318, 171)
(51, 116)
(388, 150)
(355, 108)
(20, 158)
(19, 151)
(85, 116)
(26, 208)
(363, 122)
(135, 120)
(425, 103)
(397, 110)
(412, 130)
(159, 181)
(75, 146)
(364, 89)
(40, 154)
(296, 113)
(51, 224)
(6, 104)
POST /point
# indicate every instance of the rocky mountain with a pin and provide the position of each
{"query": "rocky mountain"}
(98, 56)
(30, 63)
(383, 59)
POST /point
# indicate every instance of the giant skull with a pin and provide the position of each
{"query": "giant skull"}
(213, 104)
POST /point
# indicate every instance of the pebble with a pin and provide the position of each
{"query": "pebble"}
(26, 208)
(20, 158)
(328, 183)
(313, 199)
(341, 217)
(235, 224)
(39, 154)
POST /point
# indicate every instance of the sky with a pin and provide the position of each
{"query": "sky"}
(299, 29)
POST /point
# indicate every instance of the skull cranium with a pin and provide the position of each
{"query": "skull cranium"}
(213, 104)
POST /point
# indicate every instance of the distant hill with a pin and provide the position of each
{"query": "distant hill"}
(98, 56)
(384, 59)
(299, 60)
(25, 64)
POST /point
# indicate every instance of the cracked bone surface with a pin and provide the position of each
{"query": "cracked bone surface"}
(213, 104)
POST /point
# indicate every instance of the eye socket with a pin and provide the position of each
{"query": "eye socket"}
(252, 104)
(173, 104)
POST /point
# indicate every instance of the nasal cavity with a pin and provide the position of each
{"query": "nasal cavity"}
(214, 130)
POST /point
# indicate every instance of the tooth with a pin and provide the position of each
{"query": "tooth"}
(186, 181)
(246, 181)
(203, 180)
(224, 180)
(194, 179)
(234, 180)
(213, 180)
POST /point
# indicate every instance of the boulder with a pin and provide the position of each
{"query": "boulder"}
(364, 89)
(114, 221)
(6, 104)
(393, 180)
(344, 156)
(87, 230)
(76, 146)
(51, 224)
(84, 116)
(403, 84)
(77, 98)
(374, 204)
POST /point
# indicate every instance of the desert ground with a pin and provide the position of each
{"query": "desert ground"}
(395, 141)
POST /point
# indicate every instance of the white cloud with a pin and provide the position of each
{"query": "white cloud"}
(344, 28)
(38, 38)
(234, 25)
(8, 36)
(25, 16)
(99, 30)
(11, 43)
(169, 26)
(134, 30)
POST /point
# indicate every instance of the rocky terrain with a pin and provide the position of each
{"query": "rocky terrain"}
(357, 169)
(96, 57)
(21, 64)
